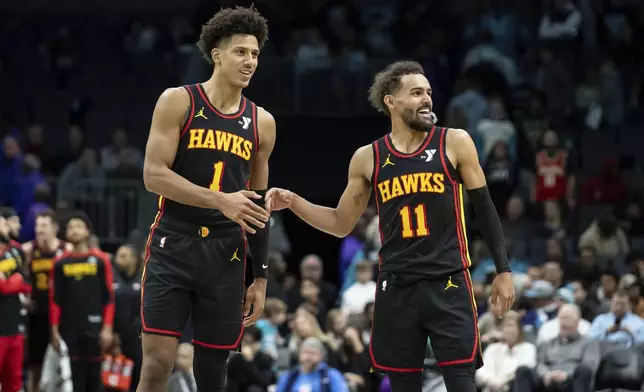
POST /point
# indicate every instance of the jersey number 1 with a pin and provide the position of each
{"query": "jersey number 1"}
(420, 212)
(217, 176)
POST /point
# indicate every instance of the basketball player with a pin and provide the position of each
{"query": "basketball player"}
(204, 143)
(81, 303)
(417, 172)
(40, 254)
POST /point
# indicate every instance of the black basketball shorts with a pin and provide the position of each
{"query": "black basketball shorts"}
(194, 272)
(38, 337)
(407, 313)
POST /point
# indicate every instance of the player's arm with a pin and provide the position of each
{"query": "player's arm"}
(467, 163)
(107, 292)
(258, 242)
(163, 142)
(339, 221)
(55, 293)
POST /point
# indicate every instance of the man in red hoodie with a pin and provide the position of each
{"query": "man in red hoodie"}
(12, 284)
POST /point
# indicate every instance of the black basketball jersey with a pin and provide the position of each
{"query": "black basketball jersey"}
(419, 198)
(215, 151)
(40, 266)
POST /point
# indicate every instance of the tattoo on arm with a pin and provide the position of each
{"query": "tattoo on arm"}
(357, 199)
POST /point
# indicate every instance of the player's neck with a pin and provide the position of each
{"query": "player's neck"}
(405, 139)
(81, 248)
(222, 95)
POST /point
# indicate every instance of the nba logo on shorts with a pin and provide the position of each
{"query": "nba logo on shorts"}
(384, 285)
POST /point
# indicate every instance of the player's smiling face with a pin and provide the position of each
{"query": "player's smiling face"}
(413, 102)
(238, 59)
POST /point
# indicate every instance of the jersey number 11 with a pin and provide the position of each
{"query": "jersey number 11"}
(420, 212)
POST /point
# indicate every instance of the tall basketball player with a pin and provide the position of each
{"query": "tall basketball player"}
(417, 173)
(207, 159)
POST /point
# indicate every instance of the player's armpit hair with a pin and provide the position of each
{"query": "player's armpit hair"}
(388, 81)
(228, 22)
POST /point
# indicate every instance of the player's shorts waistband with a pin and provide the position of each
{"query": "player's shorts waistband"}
(396, 278)
(198, 231)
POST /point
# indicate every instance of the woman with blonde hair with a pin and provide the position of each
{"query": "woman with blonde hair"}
(305, 325)
(502, 359)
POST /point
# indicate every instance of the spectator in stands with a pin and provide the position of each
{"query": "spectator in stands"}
(502, 359)
(606, 187)
(274, 317)
(311, 267)
(586, 271)
(468, 102)
(553, 273)
(554, 175)
(362, 291)
(566, 363)
(540, 297)
(502, 175)
(82, 180)
(633, 287)
(70, 153)
(353, 359)
(281, 281)
(35, 145)
(183, 379)
(305, 325)
(587, 305)
(486, 53)
(535, 122)
(252, 369)
(312, 372)
(352, 246)
(603, 293)
(516, 226)
(313, 53)
(550, 329)
(111, 155)
(496, 129)
(606, 236)
(554, 224)
(310, 295)
(127, 167)
(490, 327)
(619, 325)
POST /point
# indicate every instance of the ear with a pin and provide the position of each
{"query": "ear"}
(214, 55)
(389, 101)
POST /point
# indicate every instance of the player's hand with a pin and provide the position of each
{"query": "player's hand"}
(106, 338)
(278, 199)
(502, 294)
(2, 276)
(255, 297)
(55, 340)
(239, 207)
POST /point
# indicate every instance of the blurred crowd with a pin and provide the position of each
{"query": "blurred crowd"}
(551, 92)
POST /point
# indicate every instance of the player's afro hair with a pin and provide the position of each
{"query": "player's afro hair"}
(228, 22)
(388, 81)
